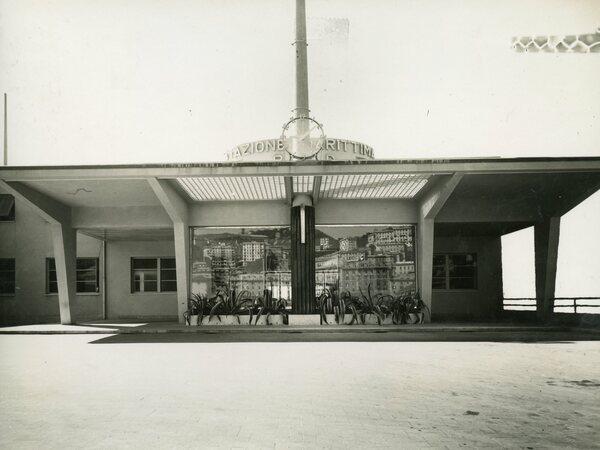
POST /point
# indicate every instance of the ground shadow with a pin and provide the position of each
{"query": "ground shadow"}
(532, 337)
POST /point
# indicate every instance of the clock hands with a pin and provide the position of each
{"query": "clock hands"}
(301, 138)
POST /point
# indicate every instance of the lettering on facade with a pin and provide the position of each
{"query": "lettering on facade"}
(342, 148)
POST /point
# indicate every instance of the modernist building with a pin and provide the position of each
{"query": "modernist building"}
(292, 215)
(115, 242)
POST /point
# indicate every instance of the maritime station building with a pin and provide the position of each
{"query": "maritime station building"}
(292, 216)
(82, 243)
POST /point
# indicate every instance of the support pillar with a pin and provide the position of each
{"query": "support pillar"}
(182, 258)
(430, 205)
(177, 209)
(64, 242)
(546, 235)
(302, 256)
(425, 260)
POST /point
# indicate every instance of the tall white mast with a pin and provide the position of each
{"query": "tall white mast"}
(300, 43)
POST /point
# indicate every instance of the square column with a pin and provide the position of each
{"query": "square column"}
(302, 259)
(546, 235)
(177, 209)
(64, 242)
(425, 260)
(182, 258)
(430, 205)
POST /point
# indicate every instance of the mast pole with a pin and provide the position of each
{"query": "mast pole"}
(300, 43)
(5, 131)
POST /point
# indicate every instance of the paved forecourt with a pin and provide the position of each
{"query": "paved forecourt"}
(60, 392)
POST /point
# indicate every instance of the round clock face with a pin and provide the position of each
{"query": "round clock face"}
(303, 137)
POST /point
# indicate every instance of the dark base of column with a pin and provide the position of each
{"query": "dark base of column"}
(302, 260)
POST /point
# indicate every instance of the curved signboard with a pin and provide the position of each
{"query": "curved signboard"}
(274, 150)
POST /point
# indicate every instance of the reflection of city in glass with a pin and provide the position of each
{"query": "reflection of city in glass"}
(244, 259)
(352, 258)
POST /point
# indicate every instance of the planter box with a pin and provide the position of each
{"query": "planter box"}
(415, 318)
(274, 319)
(371, 319)
(331, 320)
(225, 320)
(233, 320)
(304, 319)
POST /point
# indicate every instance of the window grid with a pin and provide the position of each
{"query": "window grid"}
(86, 273)
(153, 275)
(7, 276)
(454, 271)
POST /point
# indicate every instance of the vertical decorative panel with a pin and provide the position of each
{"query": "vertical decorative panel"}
(302, 260)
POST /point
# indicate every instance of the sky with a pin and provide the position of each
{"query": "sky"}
(147, 81)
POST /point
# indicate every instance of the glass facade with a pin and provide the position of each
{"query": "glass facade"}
(350, 258)
(244, 259)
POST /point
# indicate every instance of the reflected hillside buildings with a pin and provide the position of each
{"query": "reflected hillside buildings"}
(244, 259)
(346, 259)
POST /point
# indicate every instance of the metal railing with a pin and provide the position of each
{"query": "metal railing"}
(569, 305)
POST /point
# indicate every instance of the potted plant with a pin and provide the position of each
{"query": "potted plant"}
(415, 308)
(333, 307)
(372, 309)
(230, 305)
(268, 308)
(195, 304)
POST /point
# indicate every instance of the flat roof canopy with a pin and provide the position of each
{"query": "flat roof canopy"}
(494, 196)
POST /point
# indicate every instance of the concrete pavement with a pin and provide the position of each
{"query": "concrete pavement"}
(60, 392)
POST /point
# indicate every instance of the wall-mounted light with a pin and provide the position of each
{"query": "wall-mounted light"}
(302, 225)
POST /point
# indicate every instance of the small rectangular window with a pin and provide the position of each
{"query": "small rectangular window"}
(7, 208)
(7, 276)
(454, 271)
(86, 276)
(153, 275)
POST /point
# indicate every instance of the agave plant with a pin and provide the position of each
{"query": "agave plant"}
(416, 305)
(230, 303)
(265, 307)
(399, 307)
(406, 304)
(198, 305)
(330, 303)
(366, 304)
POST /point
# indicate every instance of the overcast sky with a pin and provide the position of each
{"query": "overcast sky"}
(138, 81)
(141, 81)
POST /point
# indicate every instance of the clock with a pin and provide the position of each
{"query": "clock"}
(301, 145)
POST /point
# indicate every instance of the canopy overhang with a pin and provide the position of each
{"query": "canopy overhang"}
(494, 196)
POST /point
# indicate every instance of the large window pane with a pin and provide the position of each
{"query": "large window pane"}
(168, 275)
(354, 258)
(250, 259)
(51, 281)
(7, 276)
(145, 263)
(86, 275)
(455, 271)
